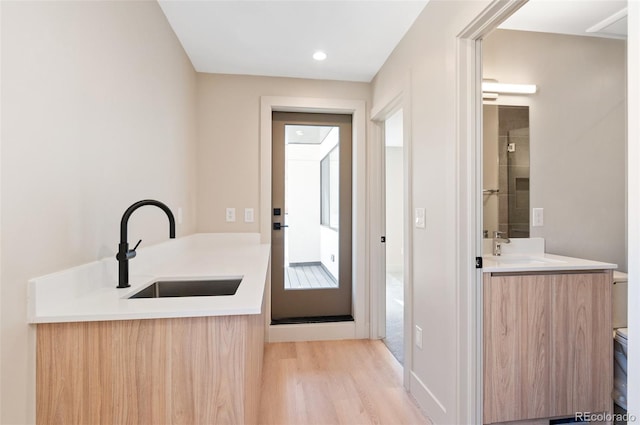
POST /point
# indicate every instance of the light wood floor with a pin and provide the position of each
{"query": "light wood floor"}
(334, 382)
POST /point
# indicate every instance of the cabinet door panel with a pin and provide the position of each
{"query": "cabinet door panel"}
(516, 347)
(535, 348)
(581, 370)
(500, 351)
(547, 345)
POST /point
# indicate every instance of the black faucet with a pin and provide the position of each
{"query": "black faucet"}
(124, 254)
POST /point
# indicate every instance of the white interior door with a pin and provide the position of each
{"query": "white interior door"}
(394, 214)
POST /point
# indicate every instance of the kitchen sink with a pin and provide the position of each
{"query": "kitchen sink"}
(212, 287)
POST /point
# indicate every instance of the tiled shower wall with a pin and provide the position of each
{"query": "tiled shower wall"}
(513, 171)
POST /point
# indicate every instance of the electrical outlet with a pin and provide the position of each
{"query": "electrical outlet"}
(418, 337)
(538, 217)
(231, 214)
(248, 215)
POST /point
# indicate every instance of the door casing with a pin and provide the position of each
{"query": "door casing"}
(469, 215)
(377, 220)
(359, 328)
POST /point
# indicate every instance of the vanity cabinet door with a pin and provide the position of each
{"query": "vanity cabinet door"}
(547, 348)
(517, 347)
(582, 368)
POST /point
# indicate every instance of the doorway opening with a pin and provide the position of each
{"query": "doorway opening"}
(394, 234)
(311, 252)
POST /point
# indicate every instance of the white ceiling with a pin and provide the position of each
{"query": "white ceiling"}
(306, 134)
(576, 17)
(278, 38)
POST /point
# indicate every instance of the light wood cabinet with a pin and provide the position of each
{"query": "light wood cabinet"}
(200, 370)
(547, 348)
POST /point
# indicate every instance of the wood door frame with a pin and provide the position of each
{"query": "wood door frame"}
(359, 328)
(469, 209)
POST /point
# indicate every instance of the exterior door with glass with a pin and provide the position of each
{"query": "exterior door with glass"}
(311, 218)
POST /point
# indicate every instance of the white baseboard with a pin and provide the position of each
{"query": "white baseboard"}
(427, 400)
(312, 332)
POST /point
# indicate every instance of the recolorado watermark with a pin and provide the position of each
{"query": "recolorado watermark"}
(604, 417)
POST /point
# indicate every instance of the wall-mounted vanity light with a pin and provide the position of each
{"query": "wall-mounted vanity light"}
(489, 96)
(502, 88)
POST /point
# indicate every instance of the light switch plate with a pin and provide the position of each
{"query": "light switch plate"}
(418, 336)
(420, 218)
(248, 215)
(538, 217)
(231, 214)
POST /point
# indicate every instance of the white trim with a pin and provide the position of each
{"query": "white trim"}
(608, 21)
(407, 132)
(424, 396)
(31, 385)
(376, 229)
(377, 277)
(633, 205)
(357, 108)
(385, 111)
(469, 207)
(312, 332)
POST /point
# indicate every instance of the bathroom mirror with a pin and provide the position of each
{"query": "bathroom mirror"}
(505, 195)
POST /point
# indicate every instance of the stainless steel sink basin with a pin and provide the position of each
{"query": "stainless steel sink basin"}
(190, 288)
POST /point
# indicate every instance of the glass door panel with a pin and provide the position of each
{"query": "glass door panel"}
(311, 200)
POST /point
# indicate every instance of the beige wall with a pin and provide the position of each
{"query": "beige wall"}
(98, 111)
(578, 135)
(422, 67)
(228, 140)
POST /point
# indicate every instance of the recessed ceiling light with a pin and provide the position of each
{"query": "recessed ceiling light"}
(319, 55)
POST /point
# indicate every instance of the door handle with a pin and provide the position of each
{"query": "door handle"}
(278, 226)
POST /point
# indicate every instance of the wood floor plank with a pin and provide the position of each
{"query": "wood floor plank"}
(334, 382)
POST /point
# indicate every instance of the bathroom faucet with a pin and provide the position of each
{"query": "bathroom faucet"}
(498, 240)
(124, 253)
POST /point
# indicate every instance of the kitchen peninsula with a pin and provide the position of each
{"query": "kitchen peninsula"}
(105, 358)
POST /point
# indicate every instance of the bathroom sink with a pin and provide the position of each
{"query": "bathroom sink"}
(521, 259)
(190, 288)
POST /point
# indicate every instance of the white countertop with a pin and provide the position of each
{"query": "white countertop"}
(89, 293)
(539, 262)
(528, 255)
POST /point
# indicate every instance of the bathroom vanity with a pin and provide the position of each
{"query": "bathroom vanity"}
(103, 357)
(547, 349)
